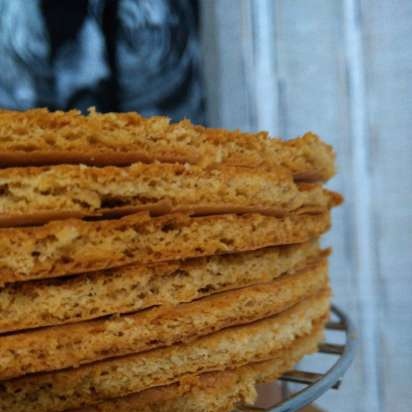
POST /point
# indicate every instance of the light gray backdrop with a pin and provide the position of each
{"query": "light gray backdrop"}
(342, 68)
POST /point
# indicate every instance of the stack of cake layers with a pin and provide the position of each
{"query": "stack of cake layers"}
(149, 266)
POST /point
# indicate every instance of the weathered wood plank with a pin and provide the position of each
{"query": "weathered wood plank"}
(314, 96)
(289, 60)
(362, 235)
(344, 70)
(388, 30)
(240, 64)
(226, 41)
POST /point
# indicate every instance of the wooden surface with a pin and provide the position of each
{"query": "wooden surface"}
(344, 70)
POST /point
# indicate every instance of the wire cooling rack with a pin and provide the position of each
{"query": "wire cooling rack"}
(317, 383)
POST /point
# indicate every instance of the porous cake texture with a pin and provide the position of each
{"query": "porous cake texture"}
(72, 345)
(229, 348)
(130, 288)
(40, 137)
(74, 246)
(35, 195)
(213, 391)
(152, 266)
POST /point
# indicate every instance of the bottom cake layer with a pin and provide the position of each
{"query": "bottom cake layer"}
(229, 348)
(213, 391)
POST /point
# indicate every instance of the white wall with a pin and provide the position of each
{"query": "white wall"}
(344, 70)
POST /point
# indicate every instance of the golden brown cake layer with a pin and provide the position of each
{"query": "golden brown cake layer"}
(130, 288)
(213, 391)
(36, 195)
(38, 137)
(71, 345)
(229, 348)
(211, 394)
(75, 246)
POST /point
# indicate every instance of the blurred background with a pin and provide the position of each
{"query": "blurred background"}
(340, 68)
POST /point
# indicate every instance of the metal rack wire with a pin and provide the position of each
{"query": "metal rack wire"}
(317, 383)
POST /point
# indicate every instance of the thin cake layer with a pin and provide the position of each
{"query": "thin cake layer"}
(71, 345)
(229, 348)
(130, 288)
(213, 391)
(75, 246)
(36, 195)
(39, 137)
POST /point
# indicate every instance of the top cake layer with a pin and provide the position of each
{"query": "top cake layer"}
(40, 137)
